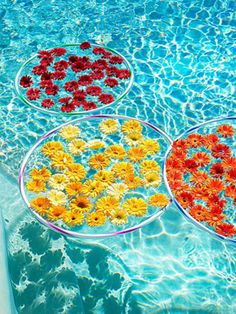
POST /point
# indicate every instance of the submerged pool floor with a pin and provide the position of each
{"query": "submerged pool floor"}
(183, 55)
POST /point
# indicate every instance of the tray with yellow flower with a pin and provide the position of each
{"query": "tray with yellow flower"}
(97, 176)
(200, 173)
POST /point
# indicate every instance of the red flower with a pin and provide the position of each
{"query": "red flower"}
(99, 50)
(44, 54)
(65, 100)
(46, 83)
(79, 95)
(71, 86)
(198, 212)
(46, 60)
(106, 55)
(112, 71)
(58, 52)
(230, 191)
(116, 60)
(231, 176)
(180, 145)
(97, 74)
(73, 59)
(111, 82)
(61, 65)
(78, 66)
(33, 93)
(68, 108)
(195, 140)
(185, 199)
(94, 90)
(214, 203)
(106, 98)
(123, 74)
(52, 90)
(59, 75)
(226, 229)
(39, 69)
(221, 151)
(46, 76)
(225, 130)
(26, 81)
(89, 105)
(85, 45)
(210, 140)
(100, 64)
(47, 103)
(85, 80)
(190, 165)
(217, 170)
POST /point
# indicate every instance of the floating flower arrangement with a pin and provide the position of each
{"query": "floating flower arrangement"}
(74, 78)
(201, 172)
(101, 172)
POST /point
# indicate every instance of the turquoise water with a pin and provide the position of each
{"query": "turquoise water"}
(183, 55)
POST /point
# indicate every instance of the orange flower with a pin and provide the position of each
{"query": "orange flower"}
(172, 163)
(215, 186)
(221, 151)
(225, 130)
(210, 140)
(229, 163)
(230, 191)
(231, 176)
(175, 175)
(199, 178)
(179, 155)
(185, 199)
(201, 158)
(200, 193)
(195, 140)
(180, 145)
(179, 186)
(226, 229)
(198, 212)
(215, 203)
(214, 219)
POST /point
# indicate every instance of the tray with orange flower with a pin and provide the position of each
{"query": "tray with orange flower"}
(200, 173)
(97, 176)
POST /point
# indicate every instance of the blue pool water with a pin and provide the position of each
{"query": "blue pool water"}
(183, 55)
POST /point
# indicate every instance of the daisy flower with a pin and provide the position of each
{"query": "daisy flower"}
(81, 204)
(152, 178)
(158, 200)
(92, 188)
(75, 172)
(51, 148)
(73, 218)
(73, 188)
(135, 206)
(96, 144)
(150, 146)
(40, 205)
(99, 161)
(36, 186)
(108, 126)
(149, 165)
(118, 217)
(133, 182)
(136, 154)
(123, 169)
(106, 204)
(76, 147)
(69, 132)
(133, 138)
(130, 126)
(56, 212)
(61, 160)
(105, 176)
(117, 190)
(115, 151)
(42, 174)
(95, 219)
(58, 181)
(57, 197)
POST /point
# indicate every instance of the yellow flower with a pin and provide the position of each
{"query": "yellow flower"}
(150, 146)
(133, 182)
(104, 176)
(58, 181)
(56, 212)
(96, 144)
(117, 190)
(57, 198)
(149, 165)
(92, 188)
(51, 148)
(108, 126)
(75, 172)
(73, 188)
(133, 138)
(36, 186)
(69, 132)
(159, 200)
(40, 205)
(95, 219)
(136, 154)
(131, 126)
(81, 203)
(61, 160)
(123, 169)
(116, 151)
(76, 147)
(135, 206)
(106, 204)
(152, 179)
(41, 174)
(73, 218)
(118, 217)
(99, 161)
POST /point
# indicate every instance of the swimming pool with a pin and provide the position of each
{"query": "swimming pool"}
(183, 55)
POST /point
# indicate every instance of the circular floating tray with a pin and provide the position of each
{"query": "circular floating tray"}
(134, 191)
(200, 174)
(104, 68)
